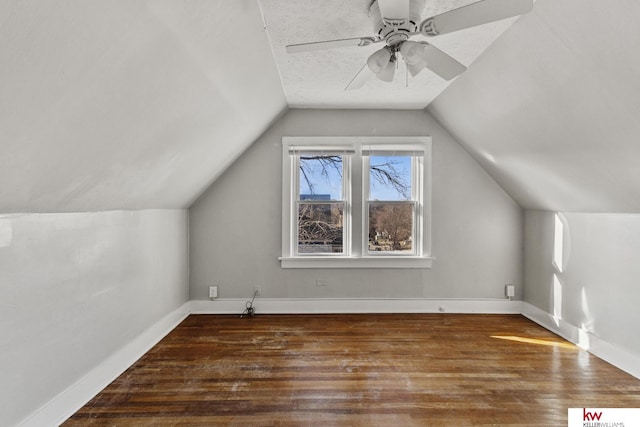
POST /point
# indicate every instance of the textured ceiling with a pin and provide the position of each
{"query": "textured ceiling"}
(317, 79)
(128, 104)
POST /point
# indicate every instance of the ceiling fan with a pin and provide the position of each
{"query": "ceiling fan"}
(395, 21)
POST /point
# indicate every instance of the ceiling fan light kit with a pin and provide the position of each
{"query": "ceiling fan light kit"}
(395, 21)
(379, 60)
(387, 73)
(412, 52)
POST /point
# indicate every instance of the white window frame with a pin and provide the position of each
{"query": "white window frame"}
(417, 191)
(355, 192)
(346, 199)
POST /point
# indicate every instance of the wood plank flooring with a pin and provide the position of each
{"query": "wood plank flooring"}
(359, 370)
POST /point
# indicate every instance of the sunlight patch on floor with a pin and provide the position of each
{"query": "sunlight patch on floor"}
(535, 341)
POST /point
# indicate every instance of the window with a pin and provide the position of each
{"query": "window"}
(356, 202)
(393, 199)
(320, 203)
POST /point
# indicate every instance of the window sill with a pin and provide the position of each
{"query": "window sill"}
(363, 262)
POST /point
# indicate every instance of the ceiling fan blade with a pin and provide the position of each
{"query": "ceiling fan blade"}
(479, 13)
(394, 9)
(441, 63)
(360, 78)
(330, 44)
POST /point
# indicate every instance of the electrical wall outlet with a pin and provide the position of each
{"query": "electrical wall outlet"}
(213, 292)
(322, 282)
(510, 291)
(257, 291)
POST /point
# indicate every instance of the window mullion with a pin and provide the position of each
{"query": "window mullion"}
(364, 214)
(355, 201)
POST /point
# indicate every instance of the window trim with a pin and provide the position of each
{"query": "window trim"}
(356, 240)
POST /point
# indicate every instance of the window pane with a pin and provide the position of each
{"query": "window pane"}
(390, 178)
(320, 177)
(391, 227)
(320, 227)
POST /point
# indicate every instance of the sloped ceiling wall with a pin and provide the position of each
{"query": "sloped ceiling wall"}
(552, 109)
(132, 104)
(128, 104)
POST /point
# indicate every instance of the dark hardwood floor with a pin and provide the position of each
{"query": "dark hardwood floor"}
(359, 370)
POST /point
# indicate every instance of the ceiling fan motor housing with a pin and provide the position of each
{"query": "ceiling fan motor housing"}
(395, 30)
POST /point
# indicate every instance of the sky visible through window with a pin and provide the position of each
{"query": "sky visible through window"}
(323, 180)
(400, 167)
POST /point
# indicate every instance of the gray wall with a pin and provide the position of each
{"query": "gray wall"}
(600, 274)
(235, 227)
(538, 255)
(75, 288)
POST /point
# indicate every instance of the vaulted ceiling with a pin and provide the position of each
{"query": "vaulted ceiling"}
(129, 104)
(552, 109)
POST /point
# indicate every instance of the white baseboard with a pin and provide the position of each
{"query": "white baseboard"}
(77, 395)
(606, 351)
(65, 404)
(356, 305)
(547, 321)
